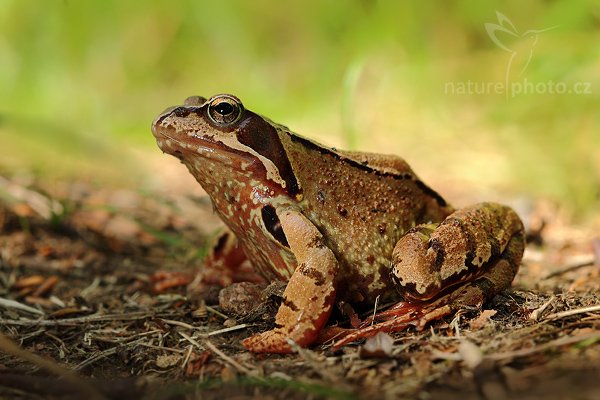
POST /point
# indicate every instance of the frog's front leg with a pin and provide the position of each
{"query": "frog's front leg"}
(309, 295)
(430, 259)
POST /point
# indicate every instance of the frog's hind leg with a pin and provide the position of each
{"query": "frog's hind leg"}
(429, 259)
(225, 263)
(472, 233)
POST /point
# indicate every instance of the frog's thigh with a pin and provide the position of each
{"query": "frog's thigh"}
(469, 242)
(309, 294)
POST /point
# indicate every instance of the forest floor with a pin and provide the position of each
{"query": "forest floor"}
(83, 313)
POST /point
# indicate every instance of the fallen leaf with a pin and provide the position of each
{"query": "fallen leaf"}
(196, 362)
(378, 346)
(68, 312)
(33, 280)
(166, 361)
(46, 286)
(228, 374)
(482, 320)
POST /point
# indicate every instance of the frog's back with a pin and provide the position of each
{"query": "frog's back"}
(362, 203)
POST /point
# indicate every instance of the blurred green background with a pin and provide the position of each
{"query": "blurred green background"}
(81, 81)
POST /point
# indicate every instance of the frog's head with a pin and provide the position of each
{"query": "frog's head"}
(218, 139)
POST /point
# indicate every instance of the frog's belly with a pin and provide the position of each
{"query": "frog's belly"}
(363, 283)
(365, 270)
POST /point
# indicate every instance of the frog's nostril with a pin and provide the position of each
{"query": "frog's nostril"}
(181, 112)
(161, 117)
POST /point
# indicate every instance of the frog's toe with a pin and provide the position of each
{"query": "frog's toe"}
(278, 340)
(396, 319)
(274, 341)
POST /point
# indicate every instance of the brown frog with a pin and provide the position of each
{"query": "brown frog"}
(338, 225)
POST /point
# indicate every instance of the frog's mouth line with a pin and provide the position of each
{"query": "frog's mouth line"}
(204, 149)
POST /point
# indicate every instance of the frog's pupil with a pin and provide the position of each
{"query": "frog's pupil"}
(224, 108)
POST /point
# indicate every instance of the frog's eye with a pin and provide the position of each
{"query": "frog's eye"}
(224, 109)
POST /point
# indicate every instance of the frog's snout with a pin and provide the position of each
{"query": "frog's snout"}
(160, 118)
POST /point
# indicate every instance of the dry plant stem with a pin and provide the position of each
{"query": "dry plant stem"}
(212, 310)
(231, 329)
(374, 310)
(213, 333)
(179, 323)
(569, 269)
(186, 359)
(568, 313)
(150, 346)
(218, 352)
(315, 361)
(132, 316)
(6, 303)
(7, 346)
(563, 341)
(123, 339)
(225, 357)
(107, 353)
(535, 314)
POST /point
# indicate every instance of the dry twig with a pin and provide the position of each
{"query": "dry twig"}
(7, 303)
(132, 316)
(107, 353)
(576, 311)
(7, 346)
(569, 268)
(214, 349)
(535, 314)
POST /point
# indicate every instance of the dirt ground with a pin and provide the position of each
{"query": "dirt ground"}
(84, 313)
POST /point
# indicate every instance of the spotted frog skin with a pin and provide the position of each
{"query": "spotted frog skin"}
(336, 225)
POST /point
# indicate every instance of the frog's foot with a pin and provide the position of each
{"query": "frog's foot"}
(277, 341)
(396, 319)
